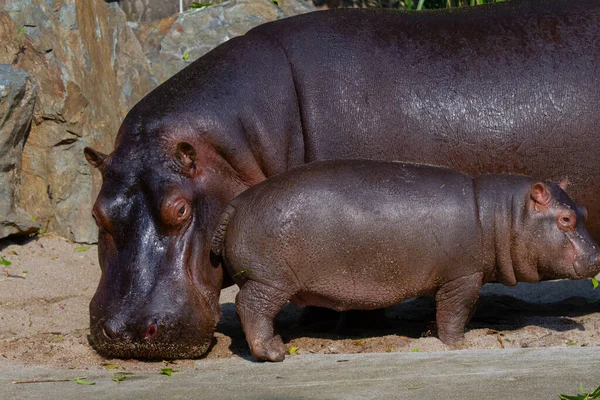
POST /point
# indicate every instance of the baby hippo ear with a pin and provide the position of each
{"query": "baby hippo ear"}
(564, 182)
(540, 194)
(185, 159)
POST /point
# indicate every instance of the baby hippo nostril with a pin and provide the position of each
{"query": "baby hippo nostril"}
(151, 330)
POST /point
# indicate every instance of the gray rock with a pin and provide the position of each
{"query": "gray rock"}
(17, 99)
(173, 43)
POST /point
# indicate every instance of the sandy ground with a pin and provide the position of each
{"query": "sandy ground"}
(44, 316)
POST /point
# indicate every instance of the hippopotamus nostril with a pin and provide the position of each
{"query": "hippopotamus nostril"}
(151, 330)
(109, 333)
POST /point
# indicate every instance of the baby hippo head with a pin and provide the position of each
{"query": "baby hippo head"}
(552, 241)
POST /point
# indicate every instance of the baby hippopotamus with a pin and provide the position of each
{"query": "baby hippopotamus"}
(359, 234)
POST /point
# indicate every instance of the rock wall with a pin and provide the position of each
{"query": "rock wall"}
(17, 98)
(174, 42)
(86, 69)
(89, 70)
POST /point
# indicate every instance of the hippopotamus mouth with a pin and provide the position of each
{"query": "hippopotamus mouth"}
(152, 351)
(149, 349)
(583, 266)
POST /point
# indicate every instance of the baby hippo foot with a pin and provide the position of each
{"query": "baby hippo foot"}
(269, 350)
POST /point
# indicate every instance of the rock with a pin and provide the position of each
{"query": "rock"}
(152, 10)
(89, 70)
(17, 98)
(174, 42)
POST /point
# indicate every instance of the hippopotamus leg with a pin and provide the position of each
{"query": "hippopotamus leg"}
(455, 304)
(257, 305)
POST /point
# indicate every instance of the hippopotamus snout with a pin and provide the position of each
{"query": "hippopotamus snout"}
(180, 328)
(114, 331)
(587, 265)
(586, 252)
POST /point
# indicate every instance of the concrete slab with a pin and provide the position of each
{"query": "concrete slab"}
(455, 375)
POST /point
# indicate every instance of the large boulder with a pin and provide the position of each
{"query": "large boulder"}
(17, 98)
(89, 70)
(174, 42)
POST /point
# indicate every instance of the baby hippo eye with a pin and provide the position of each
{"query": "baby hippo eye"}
(567, 221)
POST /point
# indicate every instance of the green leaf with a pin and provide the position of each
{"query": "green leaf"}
(293, 350)
(565, 397)
(81, 249)
(186, 56)
(82, 381)
(25, 272)
(168, 371)
(119, 377)
(595, 282)
(196, 5)
(13, 253)
(111, 366)
(415, 350)
(242, 272)
(5, 262)
(571, 343)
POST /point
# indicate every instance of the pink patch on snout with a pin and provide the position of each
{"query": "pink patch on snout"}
(151, 330)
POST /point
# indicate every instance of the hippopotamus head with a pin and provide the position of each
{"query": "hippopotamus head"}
(156, 297)
(549, 237)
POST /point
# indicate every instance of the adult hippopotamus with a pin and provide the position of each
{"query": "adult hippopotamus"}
(511, 87)
(366, 234)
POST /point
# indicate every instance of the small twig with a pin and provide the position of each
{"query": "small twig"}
(500, 340)
(42, 380)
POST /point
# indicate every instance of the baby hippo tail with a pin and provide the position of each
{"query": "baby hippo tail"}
(218, 239)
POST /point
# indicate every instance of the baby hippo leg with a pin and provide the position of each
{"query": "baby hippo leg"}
(257, 305)
(455, 303)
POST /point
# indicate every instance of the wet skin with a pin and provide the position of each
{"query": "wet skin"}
(509, 87)
(361, 235)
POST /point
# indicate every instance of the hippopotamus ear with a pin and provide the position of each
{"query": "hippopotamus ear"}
(564, 182)
(541, 196)
(185, 157)
(95, 158)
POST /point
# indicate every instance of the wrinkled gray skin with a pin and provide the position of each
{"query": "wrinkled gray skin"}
(368, 234)
(510, 87)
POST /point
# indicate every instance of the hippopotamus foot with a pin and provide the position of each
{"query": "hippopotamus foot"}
(456, 301)
(257, 305)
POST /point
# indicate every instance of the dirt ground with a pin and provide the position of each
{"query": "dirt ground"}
(45, 291)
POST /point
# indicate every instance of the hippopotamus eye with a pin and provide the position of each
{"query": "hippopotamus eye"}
(176, 212)
(567, 221)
